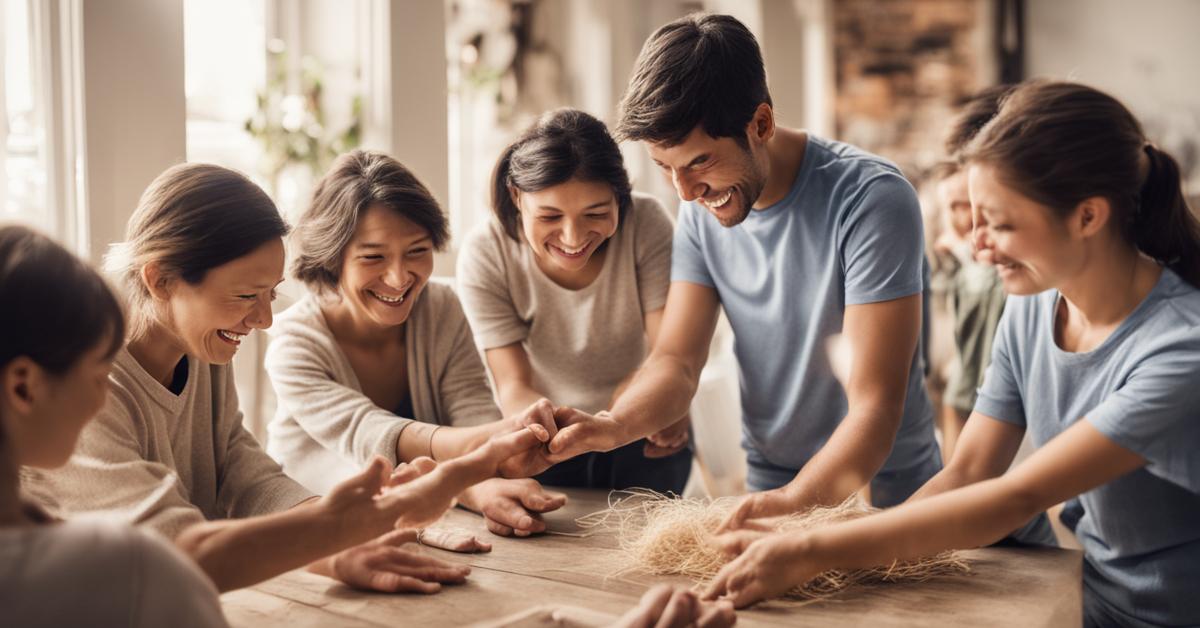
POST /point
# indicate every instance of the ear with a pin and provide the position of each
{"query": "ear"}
(762, 125)
(515, 195)
(157, 282)
(21, 383)
(1091, 216)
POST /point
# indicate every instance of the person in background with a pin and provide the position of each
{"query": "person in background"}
(565, 290)
(376, 360)
(976, 293)
(1097, 356)
(202, 256)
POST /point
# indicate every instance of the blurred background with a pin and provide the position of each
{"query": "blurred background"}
(99, 97)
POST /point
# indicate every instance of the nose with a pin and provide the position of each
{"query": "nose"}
(570, 233)
(396, 273)
(981, 239)
(686, 186)
(260, 317)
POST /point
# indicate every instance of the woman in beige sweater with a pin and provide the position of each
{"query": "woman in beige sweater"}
(202, 257)
(378, 361)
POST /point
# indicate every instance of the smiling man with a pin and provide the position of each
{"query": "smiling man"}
(798, 238)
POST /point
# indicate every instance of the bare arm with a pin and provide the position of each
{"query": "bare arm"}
(1079, 459)
(985, 450)
(883, 337)
(661, 391)
(240, 552)
(513, 375)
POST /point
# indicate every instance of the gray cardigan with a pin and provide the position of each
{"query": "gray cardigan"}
(325, 429)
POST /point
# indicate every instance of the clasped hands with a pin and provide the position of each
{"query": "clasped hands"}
(572, 432)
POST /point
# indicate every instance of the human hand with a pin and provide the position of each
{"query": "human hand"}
(768, 567)
(580, 432)
(512, 507)
(772, 503)
(668, 440)
(531, 461)
(665, 606)
(420, 501)
(384, 565)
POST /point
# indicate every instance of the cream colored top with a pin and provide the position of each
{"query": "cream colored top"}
(96, 572)
(580, 343)
(325, 429)
(166, 460)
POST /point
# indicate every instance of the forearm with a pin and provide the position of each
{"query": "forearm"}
(849, 460)
(657, 395)
(514, 397)
(237, 553)
(971, 517)
(442, 442)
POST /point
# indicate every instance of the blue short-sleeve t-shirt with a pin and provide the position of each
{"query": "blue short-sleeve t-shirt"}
(848, 232)
(1141, 389)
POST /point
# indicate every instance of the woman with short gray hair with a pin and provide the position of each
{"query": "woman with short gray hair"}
(377, 360)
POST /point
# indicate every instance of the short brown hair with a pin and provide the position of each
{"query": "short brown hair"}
(356, 181)
(191, 219)
(701, 69)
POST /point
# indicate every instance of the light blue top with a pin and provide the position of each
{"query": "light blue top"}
(848, 232)
(1141, 389)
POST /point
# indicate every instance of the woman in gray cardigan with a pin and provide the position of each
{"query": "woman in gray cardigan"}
(377, 361)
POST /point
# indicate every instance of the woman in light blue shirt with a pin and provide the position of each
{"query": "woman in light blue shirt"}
(1097, 355)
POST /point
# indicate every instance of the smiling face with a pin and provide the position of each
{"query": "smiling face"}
(212, 317)
(45, 417)
(716, 172)
(565, 224)
(1031, 248)
(385, 266)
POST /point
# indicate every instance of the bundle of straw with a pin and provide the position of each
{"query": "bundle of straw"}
(666, 535)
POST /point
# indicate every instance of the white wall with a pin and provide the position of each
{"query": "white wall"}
(1145, 53)
(134, 108)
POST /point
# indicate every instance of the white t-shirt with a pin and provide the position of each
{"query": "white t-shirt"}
(98, 572)
(580, 343)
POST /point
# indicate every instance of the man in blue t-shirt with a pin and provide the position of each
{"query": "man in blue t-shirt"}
(799, 239)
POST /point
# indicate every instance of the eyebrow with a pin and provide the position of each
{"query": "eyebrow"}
(592, 206)
(380, 245)
(264, 286)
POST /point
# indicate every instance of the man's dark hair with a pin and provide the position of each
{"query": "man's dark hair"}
(701, 70)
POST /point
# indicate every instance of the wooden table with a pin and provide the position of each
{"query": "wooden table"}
(556, 579)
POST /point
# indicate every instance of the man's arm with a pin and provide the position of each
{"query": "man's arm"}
(661, 391)
(883, 337)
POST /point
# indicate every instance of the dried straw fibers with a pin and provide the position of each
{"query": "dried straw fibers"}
(666, 535)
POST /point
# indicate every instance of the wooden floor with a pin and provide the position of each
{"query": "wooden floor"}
(556, 579)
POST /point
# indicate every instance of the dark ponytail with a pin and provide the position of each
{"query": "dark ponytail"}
(502, 204)
(562, 145)
(1059, 143)
(1163, 226)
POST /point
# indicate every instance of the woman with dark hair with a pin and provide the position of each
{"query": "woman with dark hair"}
(377, 360)
(62, 327)
(202, 256)
(565, 290)
(1097, 355)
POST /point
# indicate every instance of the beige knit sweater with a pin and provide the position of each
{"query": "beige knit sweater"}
(326, 429)
(166, 460)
